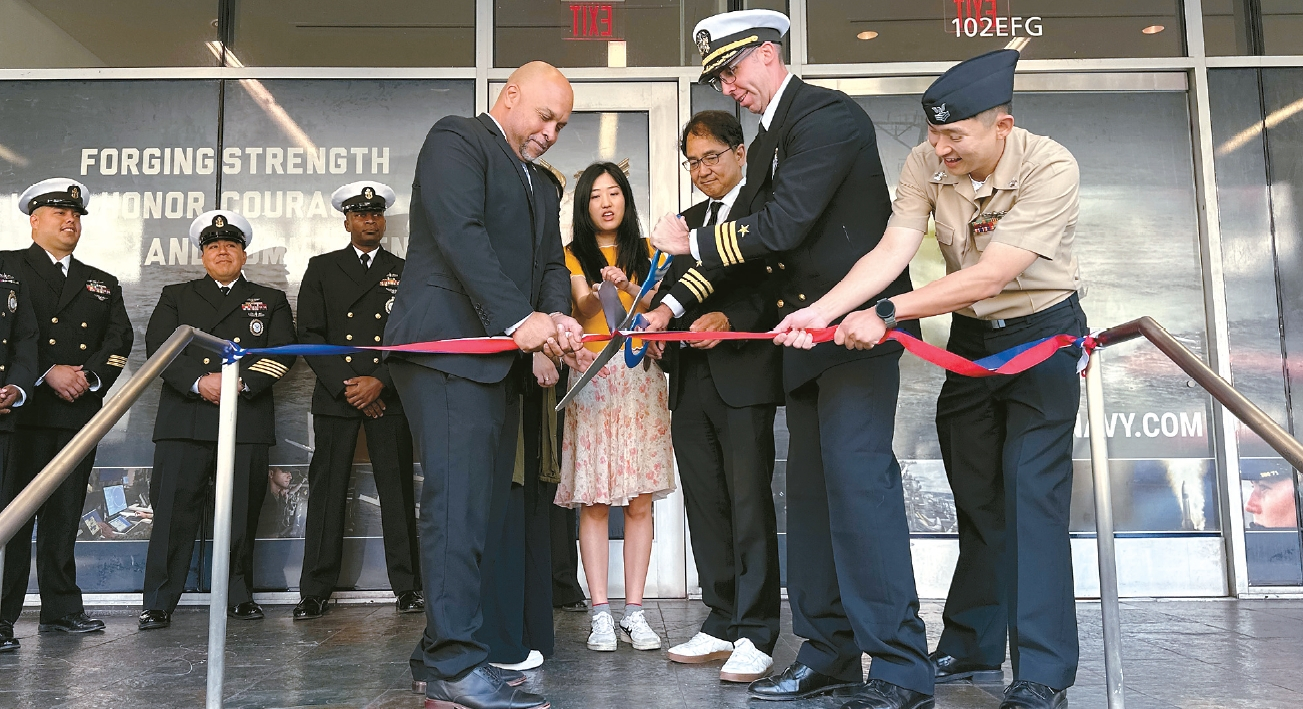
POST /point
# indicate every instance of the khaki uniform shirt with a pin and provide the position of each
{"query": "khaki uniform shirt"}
(1030, 202)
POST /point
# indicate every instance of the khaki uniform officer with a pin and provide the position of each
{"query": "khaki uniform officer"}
(345, 300)
(85, 338)
(222, 303)
(1005, 206)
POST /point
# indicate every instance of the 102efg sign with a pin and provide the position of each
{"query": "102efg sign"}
(983, 18)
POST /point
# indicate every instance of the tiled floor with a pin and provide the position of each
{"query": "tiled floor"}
(1192, 654)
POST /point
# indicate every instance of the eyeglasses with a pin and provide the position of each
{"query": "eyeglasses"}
(709, 160)
(729, 73)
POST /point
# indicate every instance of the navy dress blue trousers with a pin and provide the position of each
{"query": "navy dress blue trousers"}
(850, 577)
(1007, 446)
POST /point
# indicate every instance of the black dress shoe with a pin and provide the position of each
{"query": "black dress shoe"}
(410, 602)
(310, 607)
(150, 619)
(947, 668)
(7, 641)
(797, 682)
(881, 694)
(73, 623)
(245, 611)
(1030, 695)
(576, 607)
(513, 678)
(481, 688)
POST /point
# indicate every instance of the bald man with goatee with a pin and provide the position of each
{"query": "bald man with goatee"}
(486, 242)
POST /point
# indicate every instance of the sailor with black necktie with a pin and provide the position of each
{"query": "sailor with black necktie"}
(224, 304)
(85, 338)
(345, 299)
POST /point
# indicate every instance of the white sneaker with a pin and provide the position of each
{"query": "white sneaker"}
(602, 638)
(634, 630)
(531, 661)
(747, 664)
(701, 648)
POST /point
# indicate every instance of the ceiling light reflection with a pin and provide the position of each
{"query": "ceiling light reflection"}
(263, 98)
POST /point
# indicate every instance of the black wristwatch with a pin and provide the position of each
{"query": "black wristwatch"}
(886, 310)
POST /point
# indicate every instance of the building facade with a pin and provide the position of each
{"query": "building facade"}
(1186, 119)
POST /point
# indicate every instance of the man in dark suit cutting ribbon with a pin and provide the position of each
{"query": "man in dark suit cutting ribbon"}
(488, 265)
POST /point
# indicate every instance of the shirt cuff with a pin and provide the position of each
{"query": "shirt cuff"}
(515, 327)
(672, 303)
(194, 388)
(41, 379)
(22, 397)
(93, 386)
(692, 245)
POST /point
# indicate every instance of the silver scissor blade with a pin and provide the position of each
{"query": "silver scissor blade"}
(611, 349)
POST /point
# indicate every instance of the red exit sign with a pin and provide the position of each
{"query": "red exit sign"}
(592, 20)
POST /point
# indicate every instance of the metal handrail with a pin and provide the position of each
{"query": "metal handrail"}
(1239, 405)
(1246, 411)
(26, 503)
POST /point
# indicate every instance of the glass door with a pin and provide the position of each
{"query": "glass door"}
(634, 125)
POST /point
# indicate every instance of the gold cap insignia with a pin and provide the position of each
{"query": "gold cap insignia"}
(219, 221)
(368, 193)
(74, 192)
(703, 42)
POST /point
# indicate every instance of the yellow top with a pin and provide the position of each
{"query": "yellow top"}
(597, 323)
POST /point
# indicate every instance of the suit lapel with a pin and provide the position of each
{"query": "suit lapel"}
(760, 158)
(40, 262)
(229, 302)
(501, 141)
(363, 280)
(73, 284)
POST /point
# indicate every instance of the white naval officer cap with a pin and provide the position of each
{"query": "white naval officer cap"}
(55, 192)
(363, 196)
(220, 224)
(722, 37)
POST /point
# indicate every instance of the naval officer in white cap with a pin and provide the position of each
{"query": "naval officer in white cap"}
(345, 299)
(222, 303)
(85, 338)
(816, 194)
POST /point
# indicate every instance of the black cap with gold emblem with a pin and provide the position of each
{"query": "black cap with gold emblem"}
(60, 192)
(722, 37)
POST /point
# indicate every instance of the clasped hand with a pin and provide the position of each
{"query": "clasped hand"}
(68, 381)
(861, 330)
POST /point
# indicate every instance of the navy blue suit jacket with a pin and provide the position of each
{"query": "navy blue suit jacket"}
(484, 249)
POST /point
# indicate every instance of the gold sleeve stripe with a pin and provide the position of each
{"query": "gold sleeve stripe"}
(693, 286)
(265, 370)
(732, 242)
(700, 285)
(719, 244)
(116, 361)
(270, 367)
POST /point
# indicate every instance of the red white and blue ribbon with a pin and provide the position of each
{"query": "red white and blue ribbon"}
(1011, 361)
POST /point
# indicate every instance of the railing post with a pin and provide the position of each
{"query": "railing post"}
(1108, 581)
(222, 533)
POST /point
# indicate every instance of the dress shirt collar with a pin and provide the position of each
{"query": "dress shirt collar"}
(768, 116)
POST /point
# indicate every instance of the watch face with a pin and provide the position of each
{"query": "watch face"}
(885, 309)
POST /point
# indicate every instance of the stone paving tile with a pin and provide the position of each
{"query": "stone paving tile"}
(1177, 654)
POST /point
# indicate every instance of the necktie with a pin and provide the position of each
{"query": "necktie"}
(62, 273)
(714, 213)
(226, 290)
(366, 260)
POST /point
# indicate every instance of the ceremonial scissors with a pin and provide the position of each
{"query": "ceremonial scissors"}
(659, 262)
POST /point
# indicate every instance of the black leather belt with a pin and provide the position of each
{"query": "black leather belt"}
(1069, 302)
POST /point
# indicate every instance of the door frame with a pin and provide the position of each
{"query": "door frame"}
(667, 575)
